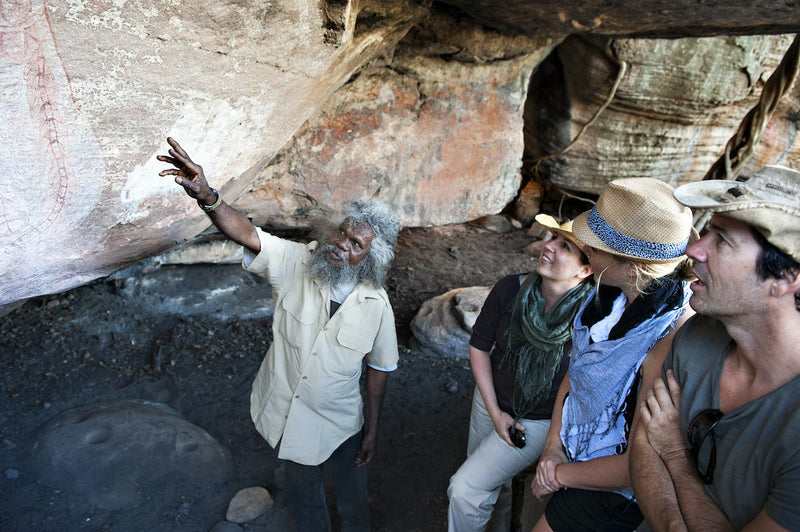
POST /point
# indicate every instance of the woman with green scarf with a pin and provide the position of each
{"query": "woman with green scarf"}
(518, 353)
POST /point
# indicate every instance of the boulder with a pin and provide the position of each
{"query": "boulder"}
(444, 323)
(495, 223)
(113, 453)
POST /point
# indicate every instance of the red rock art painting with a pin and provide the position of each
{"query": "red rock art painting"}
(34, 98)
(50, 170)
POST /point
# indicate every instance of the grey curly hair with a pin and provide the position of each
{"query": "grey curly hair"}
(383, 222)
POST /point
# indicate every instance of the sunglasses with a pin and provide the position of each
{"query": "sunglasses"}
(700, 428)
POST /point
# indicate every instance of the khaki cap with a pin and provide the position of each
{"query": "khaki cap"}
(769, 202)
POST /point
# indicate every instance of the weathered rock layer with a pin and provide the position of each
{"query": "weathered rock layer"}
(293, 106)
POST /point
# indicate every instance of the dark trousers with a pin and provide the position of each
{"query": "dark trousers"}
(305, 492)
(577, 510)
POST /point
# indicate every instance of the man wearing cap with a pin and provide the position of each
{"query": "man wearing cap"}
(718, 445)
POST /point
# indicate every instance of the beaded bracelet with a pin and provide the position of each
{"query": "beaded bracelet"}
(210, 208)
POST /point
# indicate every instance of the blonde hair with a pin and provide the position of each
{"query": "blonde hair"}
(645, 273)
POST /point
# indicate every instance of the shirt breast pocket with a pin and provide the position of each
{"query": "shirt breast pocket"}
(357, 340)
(348, 349)
(297, 320)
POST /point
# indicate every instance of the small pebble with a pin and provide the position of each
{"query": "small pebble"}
(248, 504)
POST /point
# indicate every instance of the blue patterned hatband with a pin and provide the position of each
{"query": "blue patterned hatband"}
(633, 246)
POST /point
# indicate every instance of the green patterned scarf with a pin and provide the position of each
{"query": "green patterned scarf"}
(536, 339)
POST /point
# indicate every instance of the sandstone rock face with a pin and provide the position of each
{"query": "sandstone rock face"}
(677, 103)
(651, 18)
(293, 106)
(92, 89)
(438, 139)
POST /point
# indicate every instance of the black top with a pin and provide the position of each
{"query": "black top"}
(490, 334)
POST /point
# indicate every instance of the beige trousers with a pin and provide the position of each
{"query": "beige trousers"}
(480, 491)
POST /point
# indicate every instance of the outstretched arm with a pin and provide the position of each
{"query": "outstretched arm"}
(190, 176)
(376, 389)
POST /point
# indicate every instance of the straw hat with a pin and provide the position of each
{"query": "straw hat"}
(638, 219)
(564, 229)
(769, 202)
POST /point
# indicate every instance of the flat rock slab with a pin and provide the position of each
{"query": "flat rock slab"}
(110, 452)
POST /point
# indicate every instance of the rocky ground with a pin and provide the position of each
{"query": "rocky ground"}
(191, 338)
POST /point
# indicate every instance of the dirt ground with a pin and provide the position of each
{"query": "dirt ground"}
(107, 342)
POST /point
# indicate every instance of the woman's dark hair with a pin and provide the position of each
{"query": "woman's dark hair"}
(584, 257)
(772, 263)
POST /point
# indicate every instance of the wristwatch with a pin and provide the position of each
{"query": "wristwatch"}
(210, 208)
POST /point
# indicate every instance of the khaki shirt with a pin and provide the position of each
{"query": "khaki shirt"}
(306, 394)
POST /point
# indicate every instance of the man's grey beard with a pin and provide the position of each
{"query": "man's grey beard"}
(319, 267)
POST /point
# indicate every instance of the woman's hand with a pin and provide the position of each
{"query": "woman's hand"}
(502, 422)
(545, 481)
